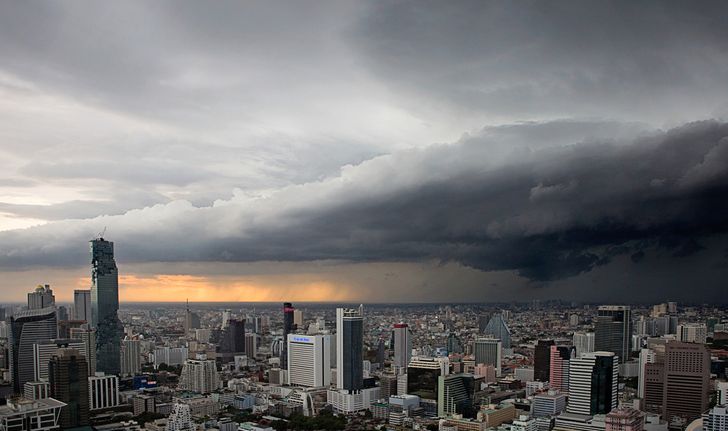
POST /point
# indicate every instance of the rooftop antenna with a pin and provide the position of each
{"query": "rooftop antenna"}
(101, 234)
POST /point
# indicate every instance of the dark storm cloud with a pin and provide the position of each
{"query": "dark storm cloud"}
(535, 58)
(548, 211)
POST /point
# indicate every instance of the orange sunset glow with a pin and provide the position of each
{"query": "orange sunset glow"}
(176, 287)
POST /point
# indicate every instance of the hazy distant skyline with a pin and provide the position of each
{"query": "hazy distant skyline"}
(423, 151)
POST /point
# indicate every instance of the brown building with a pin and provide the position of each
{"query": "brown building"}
(687, 380)
(68, 375)
(677, 384)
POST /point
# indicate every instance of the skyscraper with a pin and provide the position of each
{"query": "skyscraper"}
(288, 328)
(105, 306)
(349, 347)
(68, 376)
(583, 342)
(489, 351)
(44, 351)
(233, 339)
(613, 330)
(192, 320)
(309, 360)
(456, 394)
(559, 368)
(27, 328)
(41, 297)
(542, 360)
(687, 380)
(593, 383)
(402, 345)
(497, 328)
(200, 375)
(82, 305)
(131, 362)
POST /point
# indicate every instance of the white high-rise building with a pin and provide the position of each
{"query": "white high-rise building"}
(200, 375)
(402, 346)
(593, 383)
(131, 357)
(298, 318)
(583, 342)
(226, 316)
(692, 333)
(722, 393)
(180, 419)
(716, 419)
(41, 297)
(309, 360)
(103, 391)
(82, 305)
(170, 356)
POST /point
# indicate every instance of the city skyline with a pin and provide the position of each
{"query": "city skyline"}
(367, 152)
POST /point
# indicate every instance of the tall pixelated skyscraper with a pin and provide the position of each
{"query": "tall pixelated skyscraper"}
(613, 330)
(105, 306)
(349, 347)
(402, 345)
(288, 328)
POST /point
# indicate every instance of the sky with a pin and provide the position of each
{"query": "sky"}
(367, 151)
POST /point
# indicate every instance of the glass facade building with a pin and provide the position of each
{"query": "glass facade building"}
(105, 306)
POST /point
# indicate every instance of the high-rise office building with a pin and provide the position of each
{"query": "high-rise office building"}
(454, 344)
(298, 318)
(583, 342)
(105, 306)
(456, 395)
(103, 391)
(349, 349)
(309, 360)
(192, 320)
(613, 330)
(41, 297)
(559, 367)
(542, 360)
(548, 404)
(131, 357)
(288, 328)
(44, 351)
(692, 333)
(68, 378)
(233, 339)
(498, 328)
(489, 351)
(82, 305)
(27, 328)
(593, 383)
(88, 337)
(200, 375)
(423, 376)
(251, 345)
(687, 381)
(226, 316)
(402, 345)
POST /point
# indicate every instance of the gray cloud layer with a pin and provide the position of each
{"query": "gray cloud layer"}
(547, 211)
(231, 131)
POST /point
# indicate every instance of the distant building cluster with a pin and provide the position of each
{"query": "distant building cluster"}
(505, 367)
